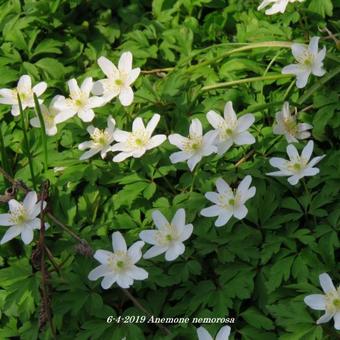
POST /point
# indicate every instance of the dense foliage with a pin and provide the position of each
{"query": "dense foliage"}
(257, 270)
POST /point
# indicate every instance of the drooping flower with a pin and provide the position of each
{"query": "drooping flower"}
(120, 265)
(80, 102)
(298, 166)
(227, 202)
(101, 140)
(223, 333)
(310, 61)
(279, 6)
(25, 91)
(329, 302)
(193, 147)
(285, 124)
(230, 129)
(22, 218)
(51, 116)
(118, 81)
(169, 237)
(136, 143)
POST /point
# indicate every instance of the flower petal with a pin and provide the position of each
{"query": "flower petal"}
(108, 281)
(195, 129)
(98, 272)
(223, 333)
(5, 220)
(174, 251)
(109, 69)
(118, 242)
(125, 62)
(148, 236)
(138, 273)
(11, 233)
(151, 126)
(326, 283)
(308, 150)
(154, 251)
(160, 221)
(135, 251)
(315, 301)
(203, 334)
(179, 218)
(102, 256)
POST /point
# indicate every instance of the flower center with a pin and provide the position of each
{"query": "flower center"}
(19, 215)
(193, 144)
(333, 301)
(231, 201)
(290, 125)
(166, 236)
(119, 262)
(138, 139)
(306, 59)
(100, 137)
(118, 82)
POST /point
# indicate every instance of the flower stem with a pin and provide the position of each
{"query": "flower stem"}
(246, 80)
(288, 90)
(241, 49)
(42, 128)
(27, 148)
(4, 158)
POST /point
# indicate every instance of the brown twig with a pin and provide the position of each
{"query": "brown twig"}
(245, 158)
(45, 310)
(51, 258)
(157, 70)
(145, 311)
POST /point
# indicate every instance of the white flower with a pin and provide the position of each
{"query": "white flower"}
(195, 146)
(329, 302)
(101, 140)
(285, 124)
(169, 237)
(228, 203)
(279, 6)
(51, 116)
(223, 333)
(119, 265)
(298, 166)
(80, 101)
(310, 61)
(136, 143)
(118, 81)
(25, 91)
(22, 218)
(230, 129)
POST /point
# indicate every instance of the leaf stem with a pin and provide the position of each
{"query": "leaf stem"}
(42, 128)
(26, 144)
(246, 80)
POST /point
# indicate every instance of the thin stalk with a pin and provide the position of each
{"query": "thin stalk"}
(4, 158)
(246, 80)
(28, 154)
(316, 86)
(288, 90)
(242, 49)
(42, 128)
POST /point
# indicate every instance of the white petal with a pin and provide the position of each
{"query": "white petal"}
(229, 113)
(94, 102)
(124, 281)
(293, 180)
(135, 251)
(13, 205)
(138, 273)
(86, 86)
(223, 333)
(5, 220)
(107, 67)
(120, 135)
(315, 161)
(177, 140)
(324, 318)
(212, 211)
(223, 218)
(15, 111)
(24, 84)
(292, 152)
(74, 88)
(108, 281)
(298, 50)
(118, 242)
(151, 126)
(160, 221)
(224, 146)
(138, 124)
(215, 120)
(179, 219)
(148, 236)
(310, 172)
(195, 129)
(173, 252)
(245, 122)
(308, 150)
(126, 96)
(326, 283)
(154, 251)
(213, 197)
(40, 88)
(89, 154)
(313, 45)
(155, 141)
(98, 88)
(203, 334)
(278, 162)
(240, 212)
(302, 79)
(86, 115)
(222, 186)
(30, 200)
(192, 161)
(125, 62)
(27, 235)
(98, 272)
(11, 233)
(293, 69)
(315, 301)
(337, 321)
(179, 156)
(102, 256)
(186, 232)
(133, 75)
(244, 138)
(121, 156)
